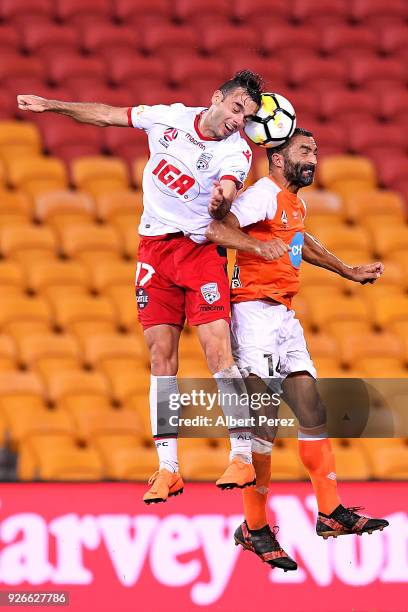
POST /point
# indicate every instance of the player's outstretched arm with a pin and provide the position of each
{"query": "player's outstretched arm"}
(316, 254)
(223, 193)
(227, 233)
(84, 112)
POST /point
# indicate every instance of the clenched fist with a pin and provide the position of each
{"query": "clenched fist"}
(273, 249)
(36, 104)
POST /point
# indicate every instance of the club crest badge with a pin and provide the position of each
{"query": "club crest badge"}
(204, 161)
(210, 292)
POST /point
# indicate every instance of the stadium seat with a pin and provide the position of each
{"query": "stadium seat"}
(73, 69)
(205, 465)
(79, 241)
(8, 353)
(126, 144)
(14, 204)
(320, 13)
(124, 301)
(28, 421)
(224, 40)
(337, 170)
(350, 105)
(317, 73)
(65, 383)
(391, 463)
(105, 274)
(393, 39)
(273, 70)
(389, 238)
(61, 208)
(82, 464)
(100, 347)
(19, 140)
(287, 42)
(315, 222)
(322, 202)
(15, 66)
(393, 170)
(186, 11)
(42, 276)
(249, 13)
(346, 41)
(330, 138)
(129, 463)
(72, 309)
(139, 402)
(13, 10)
(29, 450)
(17, 309)
(376, 73)
(137, 170)
(37, 175)
(11, 277)
(94, 423)
(8, 109)
(38, 242)
(9, 39)
(394, 102)
(351, 462)
(371, 12)
(104, 38)
(152, 11)
(69, 139)
(100, 174)
(375, 141)
(85, 405)
(191, 71)
(43, 38)
(315, 277)
(110, 205)
(354, 350)
(80, 13)
(365, 204)
(342, 237)
(388, 312)
(169, 40)
(189, 346)
(334, 309)
(126, 226)
(125, 376)
(35, 347)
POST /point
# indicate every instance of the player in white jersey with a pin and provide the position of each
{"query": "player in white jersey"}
(198, 162)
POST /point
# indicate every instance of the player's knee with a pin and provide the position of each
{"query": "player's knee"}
(163, 360)
(218, 357)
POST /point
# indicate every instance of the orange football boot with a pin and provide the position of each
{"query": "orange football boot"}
(164, 484)
(237, 475)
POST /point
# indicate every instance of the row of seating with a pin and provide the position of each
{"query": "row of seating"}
(241, 11)
(42, 37)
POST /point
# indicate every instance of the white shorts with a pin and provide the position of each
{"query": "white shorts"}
(267, 340)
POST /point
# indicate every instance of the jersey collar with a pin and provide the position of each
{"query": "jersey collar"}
(292, 196)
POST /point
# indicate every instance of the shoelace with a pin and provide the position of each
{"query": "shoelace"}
(355, 508)
(274, 532)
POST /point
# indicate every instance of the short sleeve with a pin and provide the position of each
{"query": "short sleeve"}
(236, 165)
(253, 205)
(143, 117)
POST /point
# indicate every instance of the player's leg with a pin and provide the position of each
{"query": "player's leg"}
(203, 273)
(161, 313)
(301, 394)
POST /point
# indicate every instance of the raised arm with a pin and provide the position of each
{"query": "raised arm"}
(316, 254)
(227, 233)
(84, 112)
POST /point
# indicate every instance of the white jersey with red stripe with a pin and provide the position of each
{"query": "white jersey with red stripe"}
(182, 167)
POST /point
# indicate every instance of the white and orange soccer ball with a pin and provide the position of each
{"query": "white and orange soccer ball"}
(274, 122)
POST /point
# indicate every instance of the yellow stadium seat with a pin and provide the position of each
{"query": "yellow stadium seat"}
(31, 449)
(62, 208)
(330, 309)
(139, 402)
(351, 462)
(19, 139)
(84, 411)
(123, 300)
(389, 238)
(111, 443)
(70, 465)
(21, 309)
(76, 308)
(93, 423)
(19, 239)
(342, 173)
(342, 237)
(387, 312)
(62, 384)
(302, 309)
(83, 329)
(37, 175)
(360, 206)
(77, 240)
(328, 367)
(124, 376)
(105, 274)
(391, 463)
(126, 226)
(11, 277)
(315, 223)
(190, 346)
(99, 174)
(313, 276)
(356, 348)
(207, 464)
(320, 202)
(322, 345)
(127, 202)
(354, 257)
(101, 347)
(34, 347)
(42, 275)
(383, 367)
(132, 463)
(137, 170)
(15, 204)
(27, 421)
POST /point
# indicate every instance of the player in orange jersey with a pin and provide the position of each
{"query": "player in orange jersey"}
(268, 340)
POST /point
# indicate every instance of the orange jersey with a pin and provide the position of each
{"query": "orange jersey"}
(266, 211)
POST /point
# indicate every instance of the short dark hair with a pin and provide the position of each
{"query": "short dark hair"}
(251, 81)
(298, 132)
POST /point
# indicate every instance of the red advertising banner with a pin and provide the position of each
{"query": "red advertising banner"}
(114, 554)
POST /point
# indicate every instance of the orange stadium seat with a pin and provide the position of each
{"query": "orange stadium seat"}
(79, 241)
(315, 223)
(391, 463)
(357, 173)
(109, 205)
(43, 38)
(313, 278)
(317, 72)
(20, 388)
(130, 463)
(100, 174)
(83, 409)
(364, 204)
(322, 345)
(375, 72)
(93, 423)
(285, 463)
(190, 346)
(54, 207)
(342, 40)
(105, 38)
(389, 238)
(105, 274)
(301, 306)
(345, 103)
(320, 202)
(125, 376)
(127, 225)
(72, 69)
(105, 347)
(334, 309)
(387, 312)
(167, 40)
(70, 310)
(36, 175)
(66, 464)
(65, 383)
(80, 13)
(43, 276)
(224, 40)
(27, 460)
(354, 350)
(68, 139)
(341, 236)
(206, 464)
(35, 347)
(28, 421)
(11, 277)
(351, 462)
(137, 170)
(15, 207)
(124, 301)
(110, 444)
(20, 239)
(8, 353)
(139, 402)
(19, 140)
(19, 309)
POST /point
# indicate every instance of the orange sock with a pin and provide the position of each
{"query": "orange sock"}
(318, 458)
(254, 498)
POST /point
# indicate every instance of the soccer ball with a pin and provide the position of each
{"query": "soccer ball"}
(274, 123)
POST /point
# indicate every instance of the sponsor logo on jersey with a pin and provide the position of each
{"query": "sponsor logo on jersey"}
(284, 217)
(241, 175)
(208, 308)
(210, 292)
(236, 281)
(172, 177)
(295, 253)
(142, 298)
(247, 154)
(194, 141)
(169, 135)
(204, 161)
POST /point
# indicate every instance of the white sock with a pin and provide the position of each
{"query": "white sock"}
(230, 383)
(262, 447)
(166, 445)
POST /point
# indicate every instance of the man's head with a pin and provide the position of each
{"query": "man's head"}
(234, 103)
(295, 161)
